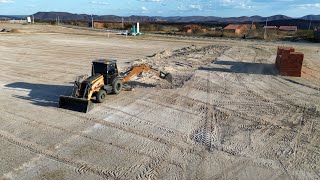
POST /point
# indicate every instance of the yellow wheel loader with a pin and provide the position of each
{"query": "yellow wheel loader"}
(104, 80)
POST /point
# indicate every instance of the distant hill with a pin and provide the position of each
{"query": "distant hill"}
(300, 23)
(12, 16)
(279, 17)
(183, 19)
(277, 20)
(311, 17)
(50, 16)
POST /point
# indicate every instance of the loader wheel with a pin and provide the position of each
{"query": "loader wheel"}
(101, 96)
(117, 86)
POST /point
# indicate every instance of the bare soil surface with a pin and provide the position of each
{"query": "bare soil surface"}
(227, 115)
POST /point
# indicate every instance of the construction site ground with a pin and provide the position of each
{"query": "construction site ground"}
(227, 115)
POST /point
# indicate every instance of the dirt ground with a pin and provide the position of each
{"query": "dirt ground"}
(227, 114)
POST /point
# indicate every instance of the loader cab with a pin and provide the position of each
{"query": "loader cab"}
(107, 68)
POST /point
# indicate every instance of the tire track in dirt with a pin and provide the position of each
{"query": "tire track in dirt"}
(175, 134)
(81, 134)
(152, 170)
(256, 96)
(209, 132)
(80, 167)
(247, 88)
(129, 130)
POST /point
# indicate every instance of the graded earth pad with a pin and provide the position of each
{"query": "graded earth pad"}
(228, 114)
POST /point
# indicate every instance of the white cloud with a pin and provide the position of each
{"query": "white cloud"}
(151, 0)
(99, 3)
(307, 6)
(6, 1)
(190, 7)
(240, 4)
(195, 6)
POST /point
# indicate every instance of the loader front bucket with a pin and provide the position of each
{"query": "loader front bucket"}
(75, 104)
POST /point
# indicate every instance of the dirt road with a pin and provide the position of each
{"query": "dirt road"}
(227, 116)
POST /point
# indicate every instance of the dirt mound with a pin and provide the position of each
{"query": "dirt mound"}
(15, 31)
(181, 63)
(148, 79)
(163, 54)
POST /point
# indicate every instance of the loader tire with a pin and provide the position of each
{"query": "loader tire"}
(101, 96)
(117, 86)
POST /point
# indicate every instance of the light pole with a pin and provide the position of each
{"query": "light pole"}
(265, 29)
(310, 23)
(92, 21)
(122, 23)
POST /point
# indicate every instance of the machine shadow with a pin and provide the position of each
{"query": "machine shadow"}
(244, 67)
(139, 84)
(41, 94)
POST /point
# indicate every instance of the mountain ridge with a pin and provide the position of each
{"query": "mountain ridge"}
(51, 16)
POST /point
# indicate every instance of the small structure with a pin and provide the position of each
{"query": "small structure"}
(240, 28)
(98, 25)
(317, 34)
(191, 28)
(135, 30)
(18, 21)
(216, 29)
(4, 20)
(289, 62)
(288, 28)
(270, 27)
(29, 19)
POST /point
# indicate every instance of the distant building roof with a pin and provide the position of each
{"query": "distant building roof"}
(288, 28)
(270, 27)
(233, 26)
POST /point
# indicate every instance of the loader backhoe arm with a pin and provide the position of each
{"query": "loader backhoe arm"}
(144, 68)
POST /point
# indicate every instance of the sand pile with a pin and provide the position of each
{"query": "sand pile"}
(148, 80)
(181, 63)
(15, 31)
(146, 77)
(163, 54)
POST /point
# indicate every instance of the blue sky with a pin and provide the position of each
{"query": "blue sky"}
(222, 8)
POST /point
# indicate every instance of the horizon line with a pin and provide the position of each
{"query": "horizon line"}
(159, 16)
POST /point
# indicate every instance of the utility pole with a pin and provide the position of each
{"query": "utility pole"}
(310, 23)
(122, 23)
(251, 29)
(265, 29)
(92, 25)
